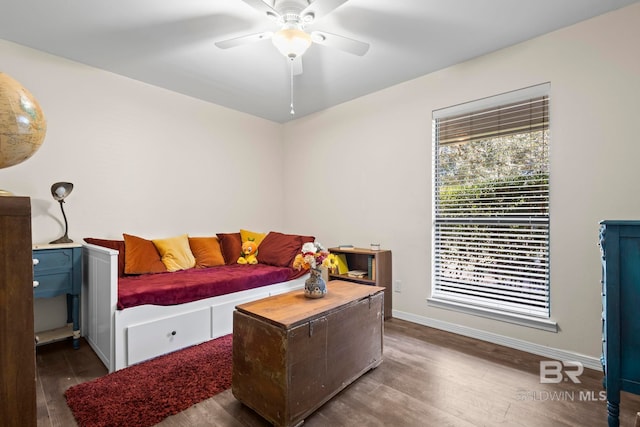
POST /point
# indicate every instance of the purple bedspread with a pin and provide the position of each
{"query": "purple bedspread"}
(194, 284)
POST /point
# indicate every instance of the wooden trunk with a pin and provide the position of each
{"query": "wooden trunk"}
(291, 354)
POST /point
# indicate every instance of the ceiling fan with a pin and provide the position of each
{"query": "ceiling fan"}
(292, 40)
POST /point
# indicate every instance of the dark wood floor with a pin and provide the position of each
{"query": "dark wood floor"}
(428, 378)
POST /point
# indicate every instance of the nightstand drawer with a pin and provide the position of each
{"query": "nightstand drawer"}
(51, 285)
(52, 260)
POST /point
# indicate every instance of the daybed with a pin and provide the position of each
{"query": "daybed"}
(134, 308)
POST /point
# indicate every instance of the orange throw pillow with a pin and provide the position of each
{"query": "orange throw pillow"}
(141, 256)
(207, 251)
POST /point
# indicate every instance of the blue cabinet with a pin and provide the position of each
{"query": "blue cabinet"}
(620, 245)
(57, 270)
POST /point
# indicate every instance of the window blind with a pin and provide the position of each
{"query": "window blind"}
(491, 207)
(525, 116)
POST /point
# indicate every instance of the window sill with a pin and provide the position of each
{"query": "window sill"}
(518, 319)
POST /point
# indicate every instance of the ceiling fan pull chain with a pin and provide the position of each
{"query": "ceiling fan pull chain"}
(291, 69)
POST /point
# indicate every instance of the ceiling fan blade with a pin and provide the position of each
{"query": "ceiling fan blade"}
(319, 8)
(251, 38)
(263, 8)
(340, 42)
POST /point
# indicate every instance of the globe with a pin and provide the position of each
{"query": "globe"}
(22, 124)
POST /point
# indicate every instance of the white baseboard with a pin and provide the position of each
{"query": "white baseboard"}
(541, 350)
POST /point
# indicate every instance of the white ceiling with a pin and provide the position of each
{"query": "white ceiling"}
(170, 43)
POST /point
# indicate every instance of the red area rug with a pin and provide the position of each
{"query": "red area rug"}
(145, 394)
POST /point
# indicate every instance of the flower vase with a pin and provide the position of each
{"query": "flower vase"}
(315, 286)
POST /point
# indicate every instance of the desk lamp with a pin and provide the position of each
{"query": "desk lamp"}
(59, 191)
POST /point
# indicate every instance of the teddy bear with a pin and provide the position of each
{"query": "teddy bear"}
(249, 253)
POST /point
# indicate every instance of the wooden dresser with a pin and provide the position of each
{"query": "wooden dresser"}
(17, 341)
(620, 245)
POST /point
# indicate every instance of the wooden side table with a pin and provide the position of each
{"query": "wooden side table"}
(57, 270)
(377, 264)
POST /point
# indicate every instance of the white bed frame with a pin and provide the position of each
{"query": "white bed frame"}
(122, 338)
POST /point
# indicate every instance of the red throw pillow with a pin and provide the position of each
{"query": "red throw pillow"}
(231, 244)
(117, 245)
(141, 256)
(280, 249)
(307, 239)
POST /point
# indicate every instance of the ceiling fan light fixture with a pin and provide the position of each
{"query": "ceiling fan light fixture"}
(291, 42)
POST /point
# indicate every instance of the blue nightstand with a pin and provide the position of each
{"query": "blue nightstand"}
(57, 270)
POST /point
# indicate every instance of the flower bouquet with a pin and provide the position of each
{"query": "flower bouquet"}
(312, 257)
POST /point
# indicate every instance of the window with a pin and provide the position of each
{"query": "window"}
(491, 205)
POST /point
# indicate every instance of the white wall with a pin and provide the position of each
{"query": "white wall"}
(368, 167)
(143, 160)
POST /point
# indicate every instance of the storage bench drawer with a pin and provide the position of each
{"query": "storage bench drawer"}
(151, 339)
